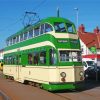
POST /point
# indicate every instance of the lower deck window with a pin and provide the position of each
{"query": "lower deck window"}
(16, 59)
(69, 56)
(36, 58)
(30, 59)
(43, 57)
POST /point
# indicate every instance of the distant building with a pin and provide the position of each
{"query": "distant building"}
(90, 43)
(1, 54)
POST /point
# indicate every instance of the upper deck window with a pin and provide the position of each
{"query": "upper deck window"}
(59, 27)
(48, 28)
(17, 38)
(21, 37)
(30, 34)
(36, 31)
(14, 40)
(25, 36)
(70, 28)
(8, 42)
(42, 29)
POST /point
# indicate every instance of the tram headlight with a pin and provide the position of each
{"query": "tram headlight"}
(81, 73)
(63, 74)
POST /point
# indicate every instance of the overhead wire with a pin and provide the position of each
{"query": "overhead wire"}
(14, 23)
(32, 15)
(39, 5)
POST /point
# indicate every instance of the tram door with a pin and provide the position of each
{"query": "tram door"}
(18, 67)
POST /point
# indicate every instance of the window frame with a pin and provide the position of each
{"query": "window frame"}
(59, 23)
(25, 35)
(30, 33)
(45, 60)
(71, 57)
(73, 28)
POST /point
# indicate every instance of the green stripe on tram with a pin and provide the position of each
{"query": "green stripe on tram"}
(47, 37)
(53, 87)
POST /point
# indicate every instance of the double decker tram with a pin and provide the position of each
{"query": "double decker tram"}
(47, 54)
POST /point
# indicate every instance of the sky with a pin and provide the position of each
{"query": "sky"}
(12, 13)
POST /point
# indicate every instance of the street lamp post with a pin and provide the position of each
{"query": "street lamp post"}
(77, 15)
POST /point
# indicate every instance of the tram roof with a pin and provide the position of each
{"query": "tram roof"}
(50, 20)
(55, 19)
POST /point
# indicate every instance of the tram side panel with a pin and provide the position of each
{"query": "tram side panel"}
(10, 70)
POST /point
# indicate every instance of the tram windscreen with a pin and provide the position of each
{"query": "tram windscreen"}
(62, 27)
(70, 28)
(59, 27)
(66, 56)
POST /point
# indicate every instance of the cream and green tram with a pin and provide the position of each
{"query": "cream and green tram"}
(46, 54)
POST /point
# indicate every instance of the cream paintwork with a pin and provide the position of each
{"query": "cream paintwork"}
(42, 74)
(69, 49)
(63, 35)
(77, 73)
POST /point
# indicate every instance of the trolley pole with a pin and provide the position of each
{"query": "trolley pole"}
(58, 13)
